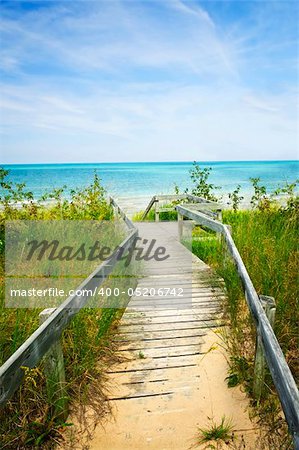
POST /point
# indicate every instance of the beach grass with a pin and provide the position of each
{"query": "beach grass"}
(268, 243)
(26, 421)
(217, 432)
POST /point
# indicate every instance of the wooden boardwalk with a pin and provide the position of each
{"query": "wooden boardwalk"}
(172, 376)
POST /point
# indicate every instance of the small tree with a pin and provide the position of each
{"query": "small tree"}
(235, 198)
(289, 189)
(260, 198)
(12, 193)
(201, 185)
(90, 202)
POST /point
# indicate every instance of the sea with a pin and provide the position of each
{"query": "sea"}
(137, 179)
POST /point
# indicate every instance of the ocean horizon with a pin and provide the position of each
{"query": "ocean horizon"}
(133, 179)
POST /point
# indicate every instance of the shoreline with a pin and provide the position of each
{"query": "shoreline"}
(141, 201)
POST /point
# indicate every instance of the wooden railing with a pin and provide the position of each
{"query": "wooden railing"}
(166, 203)
(279, 369)
(48, 333)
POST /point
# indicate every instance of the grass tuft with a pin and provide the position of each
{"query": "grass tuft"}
(141, 355)
(217, 432)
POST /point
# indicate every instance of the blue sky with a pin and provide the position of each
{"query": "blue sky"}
(148, 80)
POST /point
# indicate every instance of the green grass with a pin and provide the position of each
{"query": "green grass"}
(268, 244)
(166, 215)
(137, 217)
(221, 432)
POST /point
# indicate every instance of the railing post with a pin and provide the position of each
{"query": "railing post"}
(157, 213)
(55, 375)
(226, 253)
(112, 205)
(180, 225)
(219, 215)
(269, 306)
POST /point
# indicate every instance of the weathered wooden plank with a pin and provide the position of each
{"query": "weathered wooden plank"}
(268, 304)
(162, 292)
(184, 318)
(154, 352)
(170, 312)
(201, 218)
(167, 270)
(189, 301)
(55, 376)
(156, 307)
(164, 282)
(156, 364)
(161, 343)
(170, 197)
(154, 335)
(167, 306)
(191, 296)
(188, 286)
(210, 209)
(195, 325)
(197, 199)
(150, 389)
(168, 374)
(155, 311)
(190, 304)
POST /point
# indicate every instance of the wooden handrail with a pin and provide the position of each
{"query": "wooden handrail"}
(149, 206)
(122, 214)
(279, 369)
(173, 197)
(197, 199)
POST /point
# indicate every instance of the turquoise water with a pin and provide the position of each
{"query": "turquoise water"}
(140, 179)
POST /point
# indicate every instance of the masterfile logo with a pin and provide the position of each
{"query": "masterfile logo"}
(48, 261)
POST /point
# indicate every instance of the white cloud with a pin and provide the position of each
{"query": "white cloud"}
(195, 10)
(128, 81)
(260, 105)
